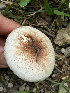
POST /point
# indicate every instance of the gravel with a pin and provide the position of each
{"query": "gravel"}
(48, 88)
(63, 50)
(34, 89)
(1, 85)
(27, 88)
(6, 77)
(2, 7)
(63, 37)
(63, 90)
(62, 71)
(66, 84)
(67, 52)
(22, 88)
(10, 85)
(1, 89)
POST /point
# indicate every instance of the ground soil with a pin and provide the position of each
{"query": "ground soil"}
(49, 25)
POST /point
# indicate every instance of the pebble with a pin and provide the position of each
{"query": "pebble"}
(63, 50)
(27, 88)
(10, 85)
(6, 77)
(48, 18)
(40, 86)
(53, 75)
(64, 77)
(41, 22)
(4, 90)
(2, 7)
(22, 88)
(34, 89)
(1, 84)
(48, 88)
(64, 24)
(55, 71)
(67, 52)
(63, 36)
(66, 84)
(1, 89)
(42, 91)
(63, 90)
(66, 62)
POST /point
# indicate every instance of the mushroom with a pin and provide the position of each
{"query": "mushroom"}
(29, 54)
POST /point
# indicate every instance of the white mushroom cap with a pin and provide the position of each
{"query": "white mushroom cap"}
(29, 54)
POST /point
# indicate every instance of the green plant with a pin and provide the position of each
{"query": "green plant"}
(24, 2)
(52, 11)
(4, 13)
(47, 7)
(61, 84)
(25, 91)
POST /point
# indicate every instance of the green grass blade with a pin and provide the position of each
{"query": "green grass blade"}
(63, 1)
(47, 7)
(24, 2)
(57, 12)
(62, 83)
(35, 12)
(25, 91)
(68, 89)
(4, 13)
(67, 3)
(15, 16)
(54, 82)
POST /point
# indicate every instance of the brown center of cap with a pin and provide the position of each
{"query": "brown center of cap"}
(33, 47)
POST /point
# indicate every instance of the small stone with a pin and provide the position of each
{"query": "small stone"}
(66, 62)
(2, 7)
(40, 86)
(67, 52)
(66, 84)
(64, 77)
(22, 88)
(6, 77)
(11, 79)
(63, 37)
(48, 88)
(27, 88)
(41, 21)
(4, 90)
(63, 90)
(64, 24)
(1, 84)
(1, 89)
(63, 50)
(42, 91)
(53, 75)
(10, 85)
(55, 72)
(48, 18)
(34, 89)
(13, 90)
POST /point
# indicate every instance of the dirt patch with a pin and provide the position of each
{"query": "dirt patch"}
(49, 25)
